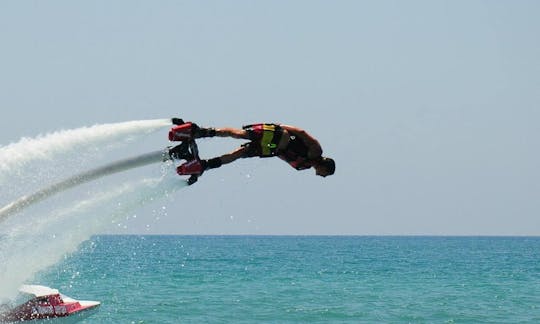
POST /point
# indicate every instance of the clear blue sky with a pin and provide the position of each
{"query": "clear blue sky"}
(430, 108)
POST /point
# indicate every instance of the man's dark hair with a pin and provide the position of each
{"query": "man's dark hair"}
(329, 164)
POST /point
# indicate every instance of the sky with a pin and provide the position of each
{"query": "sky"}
(430, 108)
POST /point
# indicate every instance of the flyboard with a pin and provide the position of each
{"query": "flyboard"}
(187, 150)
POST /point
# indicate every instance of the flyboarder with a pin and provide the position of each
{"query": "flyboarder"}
(292, 144)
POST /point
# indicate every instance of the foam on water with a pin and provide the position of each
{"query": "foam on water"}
(15, 156)
(30, 247)
(40, 238)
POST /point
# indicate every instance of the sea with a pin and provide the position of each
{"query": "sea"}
(303, 279)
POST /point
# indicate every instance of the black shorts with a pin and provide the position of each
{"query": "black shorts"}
(252, 149)
(264, 140)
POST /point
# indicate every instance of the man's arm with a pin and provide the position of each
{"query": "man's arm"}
(314, 148)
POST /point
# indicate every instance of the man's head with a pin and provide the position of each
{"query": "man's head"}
(324, 167)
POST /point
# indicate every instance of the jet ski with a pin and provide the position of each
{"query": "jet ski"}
(43, 304)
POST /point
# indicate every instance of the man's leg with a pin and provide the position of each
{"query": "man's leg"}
(234, 155)
(225, 159)
(199, 166)
(232, 132)
(200, 132)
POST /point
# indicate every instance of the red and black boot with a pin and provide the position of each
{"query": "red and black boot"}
(189, 131)
(193, 167)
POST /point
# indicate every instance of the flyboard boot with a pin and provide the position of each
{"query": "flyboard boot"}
(182, 132)
(193, 168)
(186, 131)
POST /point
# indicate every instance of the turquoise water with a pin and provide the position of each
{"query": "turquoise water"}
(195, 279)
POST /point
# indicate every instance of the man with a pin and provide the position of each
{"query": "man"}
(292, 144)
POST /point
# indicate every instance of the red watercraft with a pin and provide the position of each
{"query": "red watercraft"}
(37, 303)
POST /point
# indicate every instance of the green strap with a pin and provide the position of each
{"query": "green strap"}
(267, 142)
